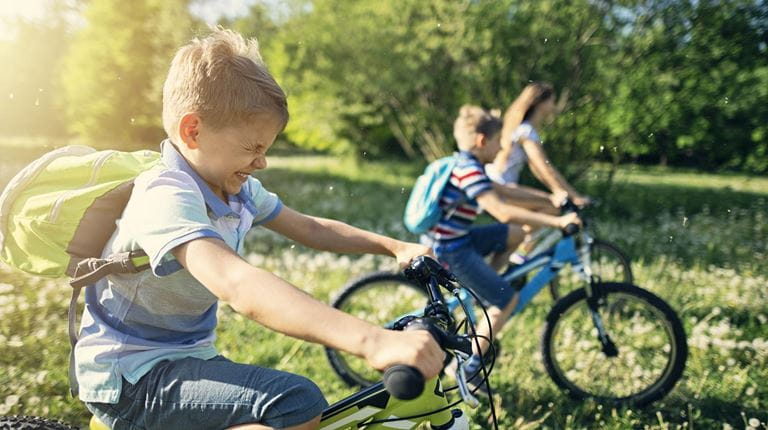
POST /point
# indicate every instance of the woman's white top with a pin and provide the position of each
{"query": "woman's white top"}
(517, 158)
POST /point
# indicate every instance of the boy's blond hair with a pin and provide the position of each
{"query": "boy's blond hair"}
(222, 78)
(474, 120)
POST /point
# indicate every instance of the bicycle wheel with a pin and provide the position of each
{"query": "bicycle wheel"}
(380, 298)
(32, 423)
(608, 262)
(650, 346)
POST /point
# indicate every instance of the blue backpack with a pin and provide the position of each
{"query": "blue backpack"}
(423, 210)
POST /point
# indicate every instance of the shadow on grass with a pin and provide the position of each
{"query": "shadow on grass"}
(638, 201)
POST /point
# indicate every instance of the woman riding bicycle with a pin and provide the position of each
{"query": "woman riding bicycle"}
(468, 192)
(520, 146)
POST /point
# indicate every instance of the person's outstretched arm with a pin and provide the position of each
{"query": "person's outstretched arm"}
(492, 202)
(278, 305)
(336, 236)
(543, 169)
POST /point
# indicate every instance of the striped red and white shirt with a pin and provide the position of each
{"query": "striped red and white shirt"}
(468, 180)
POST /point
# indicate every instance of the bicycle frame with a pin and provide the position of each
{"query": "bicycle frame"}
(550, 260)
(374, 403)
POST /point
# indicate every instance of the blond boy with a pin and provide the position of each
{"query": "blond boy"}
(146, 357)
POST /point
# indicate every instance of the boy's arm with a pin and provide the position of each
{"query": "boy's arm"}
(278, 305)
(492, 202)
(520, 195)
(335, 236)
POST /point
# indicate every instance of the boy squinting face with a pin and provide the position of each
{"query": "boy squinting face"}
(226, 157)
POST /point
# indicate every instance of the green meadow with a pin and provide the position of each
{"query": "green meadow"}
(700, 241)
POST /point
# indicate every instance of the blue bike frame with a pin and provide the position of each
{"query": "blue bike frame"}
(550, 261)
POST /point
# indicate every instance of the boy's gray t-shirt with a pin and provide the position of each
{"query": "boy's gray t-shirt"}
(133, 321)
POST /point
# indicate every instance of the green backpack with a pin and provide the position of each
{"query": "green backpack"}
(58, 213)
(61, 209)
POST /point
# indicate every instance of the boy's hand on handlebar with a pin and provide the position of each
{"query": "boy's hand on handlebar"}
(557, 198)
(570, 218)
(416, 348)
(408, 251)
(581, 201)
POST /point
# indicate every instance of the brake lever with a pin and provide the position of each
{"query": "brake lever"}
(461, 380)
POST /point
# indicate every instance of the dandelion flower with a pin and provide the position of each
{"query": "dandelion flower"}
(11, 400)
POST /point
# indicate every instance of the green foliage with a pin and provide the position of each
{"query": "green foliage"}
(115, 69)
(362, 75)
(694, 84)
(656, 80)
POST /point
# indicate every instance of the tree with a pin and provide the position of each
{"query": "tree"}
(693, 84)
(363, 74)
(114, 72)
(366, 74)
(655, 80)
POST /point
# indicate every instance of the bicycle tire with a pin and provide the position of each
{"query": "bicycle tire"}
(608, 249)
(21, 422)
(340, 362)
(678, 350)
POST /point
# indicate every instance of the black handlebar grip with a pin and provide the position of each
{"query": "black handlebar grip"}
(570, 229)
(404, 382)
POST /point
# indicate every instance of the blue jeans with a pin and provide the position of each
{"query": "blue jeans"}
(191, 393)
(464, 257)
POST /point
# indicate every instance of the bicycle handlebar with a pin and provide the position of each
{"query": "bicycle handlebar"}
(406, 382)
(571, 229)
(568, 207)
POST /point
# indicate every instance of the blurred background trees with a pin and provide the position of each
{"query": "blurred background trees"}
(678, 82)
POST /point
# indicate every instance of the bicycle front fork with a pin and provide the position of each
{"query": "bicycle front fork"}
(594, 299)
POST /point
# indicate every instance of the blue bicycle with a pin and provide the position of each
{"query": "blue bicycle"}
(611, 341)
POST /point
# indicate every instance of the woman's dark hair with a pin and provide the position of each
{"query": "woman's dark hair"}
(543, 92)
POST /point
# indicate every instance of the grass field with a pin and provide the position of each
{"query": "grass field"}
(699, 241)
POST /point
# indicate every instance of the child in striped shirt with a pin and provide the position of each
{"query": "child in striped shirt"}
(463, 246)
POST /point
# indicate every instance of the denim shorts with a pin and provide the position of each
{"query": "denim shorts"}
(464, 257)
(191, 393)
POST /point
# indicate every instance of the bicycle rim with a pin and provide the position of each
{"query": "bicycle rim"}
(650, 357)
